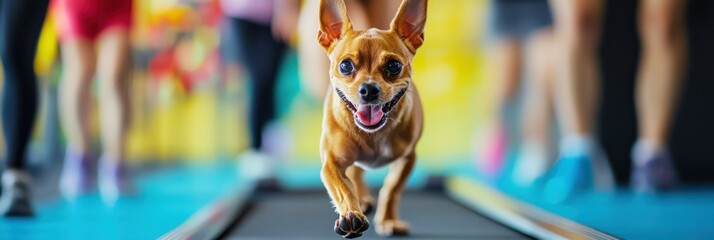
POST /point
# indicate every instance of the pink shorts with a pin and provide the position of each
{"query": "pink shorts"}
(86, 19)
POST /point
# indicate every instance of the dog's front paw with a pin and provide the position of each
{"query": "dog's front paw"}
(392, 228)
(351, 225)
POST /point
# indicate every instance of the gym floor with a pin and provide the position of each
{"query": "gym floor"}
(162, 204)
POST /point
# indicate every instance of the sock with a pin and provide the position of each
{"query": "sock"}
(576, 146)
(532, 163)
(645, 150)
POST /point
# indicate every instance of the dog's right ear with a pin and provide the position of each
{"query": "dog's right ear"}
(334, 22)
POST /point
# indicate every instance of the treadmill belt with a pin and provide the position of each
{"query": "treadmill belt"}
(309, 215)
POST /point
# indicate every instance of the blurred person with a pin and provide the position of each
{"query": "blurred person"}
(660, 74)
(95, 41)
(258, 39)
(660, 77)
(20, 25)
(313, 62)
(522, 33)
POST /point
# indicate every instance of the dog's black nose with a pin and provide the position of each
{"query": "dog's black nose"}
(369, 91)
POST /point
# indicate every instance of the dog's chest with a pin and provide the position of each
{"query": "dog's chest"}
(382, 153)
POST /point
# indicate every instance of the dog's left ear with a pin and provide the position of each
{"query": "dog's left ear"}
(409, 23)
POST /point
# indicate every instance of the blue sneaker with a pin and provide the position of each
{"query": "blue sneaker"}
(570, 176)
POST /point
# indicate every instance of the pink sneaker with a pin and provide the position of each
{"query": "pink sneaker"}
(495, 153)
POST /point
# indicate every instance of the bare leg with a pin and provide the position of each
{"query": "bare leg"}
(664, 39)
(577, 32)
(661, 25)
(113, 65)
(114, 55)
(314, 70)
(507, 55)
(508, 58)
(537, 110)
(75, 105)
(380, 12)
(75, 93)
(577, 29)
(538, 101)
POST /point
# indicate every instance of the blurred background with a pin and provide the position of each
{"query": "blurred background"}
(189, 109)
(185, 110)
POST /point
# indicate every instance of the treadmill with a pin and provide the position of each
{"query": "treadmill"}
(444, 208)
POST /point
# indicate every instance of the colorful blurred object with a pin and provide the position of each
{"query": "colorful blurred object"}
(185, 109)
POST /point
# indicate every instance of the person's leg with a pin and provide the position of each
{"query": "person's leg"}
(380, 13)
(262, 58)
(78, 56)
(114, 58)
(506, 55)
(661, 72)
(534, 155)
(577, 29)
(75, 106)
(20, 25)
(577, 32)
(314, 64)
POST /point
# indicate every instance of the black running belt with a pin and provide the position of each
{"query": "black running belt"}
(309, 215)
(264, 211)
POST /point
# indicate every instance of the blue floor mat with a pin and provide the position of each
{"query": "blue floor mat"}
(165, 199)
(685, 213)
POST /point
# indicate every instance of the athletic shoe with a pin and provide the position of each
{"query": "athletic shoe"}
(256, 165)
(531, 165)
(495, 153)
(652, 170)
(113, 180)
(16, 199)
(77, 175)
(570, 176)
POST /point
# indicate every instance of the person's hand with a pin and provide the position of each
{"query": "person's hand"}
(285, 19)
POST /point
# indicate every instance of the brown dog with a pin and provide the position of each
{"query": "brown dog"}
(374, 115)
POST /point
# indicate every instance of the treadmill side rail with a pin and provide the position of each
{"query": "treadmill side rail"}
(211, 221)
(521, 216)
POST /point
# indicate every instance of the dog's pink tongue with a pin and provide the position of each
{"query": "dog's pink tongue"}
(369, 115)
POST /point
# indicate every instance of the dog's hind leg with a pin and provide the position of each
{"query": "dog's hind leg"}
(366, 201)
(386, 219)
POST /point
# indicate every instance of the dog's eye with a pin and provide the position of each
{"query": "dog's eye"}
(347, 67)
(393, 67)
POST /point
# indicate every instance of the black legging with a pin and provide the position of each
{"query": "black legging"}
(262, 55)
(20, 25)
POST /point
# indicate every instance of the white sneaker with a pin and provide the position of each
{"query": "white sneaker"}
(114, 182)
(531, 165)
(256, 165)
(16, 199)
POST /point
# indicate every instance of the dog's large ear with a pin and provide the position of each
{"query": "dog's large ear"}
(334, 22)
(409, 23)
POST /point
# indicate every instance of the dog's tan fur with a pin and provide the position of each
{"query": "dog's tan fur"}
(344, 144)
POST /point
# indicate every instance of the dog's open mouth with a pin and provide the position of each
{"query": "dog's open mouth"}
(371, 116)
